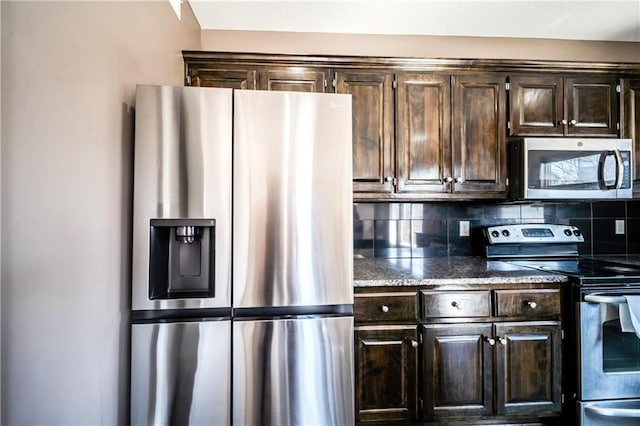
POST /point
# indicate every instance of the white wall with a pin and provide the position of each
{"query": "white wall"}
(419, 46)
(69, 71)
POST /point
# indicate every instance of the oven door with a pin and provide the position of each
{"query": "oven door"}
(609, 358)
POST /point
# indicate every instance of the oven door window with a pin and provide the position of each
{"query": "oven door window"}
(570, 170)
(620, 349)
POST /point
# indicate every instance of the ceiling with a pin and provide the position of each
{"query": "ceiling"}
(609, 20)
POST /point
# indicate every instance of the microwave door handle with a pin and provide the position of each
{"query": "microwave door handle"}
(619, 168)
(603, 158)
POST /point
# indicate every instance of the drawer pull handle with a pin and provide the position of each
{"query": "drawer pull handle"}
(414, 343)
(532, 304)
(384, 308)
(457, 305)
(490, 341)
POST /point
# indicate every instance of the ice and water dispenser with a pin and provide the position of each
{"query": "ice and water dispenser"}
(181, 258)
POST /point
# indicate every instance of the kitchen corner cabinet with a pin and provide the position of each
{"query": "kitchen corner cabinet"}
(631, 120)
(372, 115)
(553, 105)
(386, 351)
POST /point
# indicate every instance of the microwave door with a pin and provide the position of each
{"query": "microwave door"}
(610, 170)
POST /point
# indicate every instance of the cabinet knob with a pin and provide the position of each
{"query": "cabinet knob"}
(384, 308)
(414, 343)
(490, 341)
(532, 304)
(573, 123)
(563, 122)
(457, 305)
(459, 180)
(503, 341)
(448, 179)
(389, 179)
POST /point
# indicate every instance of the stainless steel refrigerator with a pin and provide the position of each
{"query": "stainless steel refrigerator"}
(242, 294)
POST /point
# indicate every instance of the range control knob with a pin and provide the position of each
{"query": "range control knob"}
(495, 234)
(576, 232)
(567, 232)
(506, 233)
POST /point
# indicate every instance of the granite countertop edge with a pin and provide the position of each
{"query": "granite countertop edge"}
(450, 271)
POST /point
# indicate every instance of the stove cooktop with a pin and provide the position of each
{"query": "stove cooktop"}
(587, 271)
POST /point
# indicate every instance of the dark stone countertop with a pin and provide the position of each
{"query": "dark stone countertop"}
(627, 259)
(378, 272)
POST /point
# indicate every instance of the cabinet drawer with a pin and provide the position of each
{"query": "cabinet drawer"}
(385, 307)
(455, 304)
(530, 303)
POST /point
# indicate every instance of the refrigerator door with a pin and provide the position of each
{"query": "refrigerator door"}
(182, 170)
(293, 372)
(181, 373)
(293, 232)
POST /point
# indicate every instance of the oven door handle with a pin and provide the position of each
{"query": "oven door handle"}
(620, 413)
(599, 298)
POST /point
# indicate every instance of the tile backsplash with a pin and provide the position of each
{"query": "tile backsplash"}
(433, 229)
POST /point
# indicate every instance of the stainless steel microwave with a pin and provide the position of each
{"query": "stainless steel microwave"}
(570, 168)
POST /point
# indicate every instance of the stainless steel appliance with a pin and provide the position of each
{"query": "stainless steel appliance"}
(570, 168)
(242, 292)
(602, 362)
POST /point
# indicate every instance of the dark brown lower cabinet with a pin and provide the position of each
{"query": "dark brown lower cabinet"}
(386, 372)
(500, 369)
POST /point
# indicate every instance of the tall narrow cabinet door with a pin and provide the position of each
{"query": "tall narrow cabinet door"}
(386, 369)
(423, 133)
(479, 133)
(631, 120)
(292, 79)
(591, 104)
(373, 147)
(536, 105)
(528, 367)
(458, 370)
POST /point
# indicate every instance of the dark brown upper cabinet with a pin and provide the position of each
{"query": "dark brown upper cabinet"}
(552, 105)
(372, 132)
(451, 134)
(293, 79)
(631, 120)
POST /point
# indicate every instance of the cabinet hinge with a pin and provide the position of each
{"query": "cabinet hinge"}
(188, 80)
(334, 82)
(421, 403)
(420, 338)
(562, 398)
(617, 126)
(324, 81)
(508, 124)
(562, 334)
(507, 85)
(618, 88)
(394, 84)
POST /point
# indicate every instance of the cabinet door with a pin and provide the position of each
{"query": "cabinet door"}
(528, 367)
(536, 106)
(372, 103)
(631, 122)
(458, 370)
(224, 76)
(591, 105)
(423, 137)
(479, 147)
(293, 79)
(386, 372)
